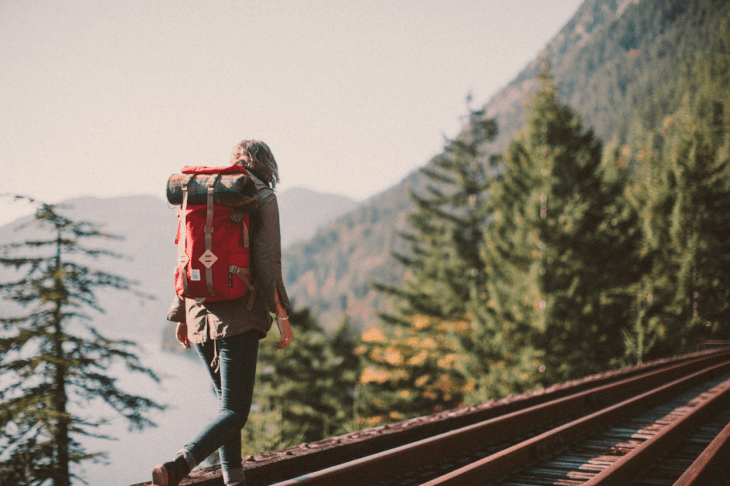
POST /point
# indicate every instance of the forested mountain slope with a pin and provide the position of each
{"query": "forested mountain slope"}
(610, 58)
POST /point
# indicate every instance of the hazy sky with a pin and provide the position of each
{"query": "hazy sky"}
(108, 98)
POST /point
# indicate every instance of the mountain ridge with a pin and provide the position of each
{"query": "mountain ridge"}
(303, 212)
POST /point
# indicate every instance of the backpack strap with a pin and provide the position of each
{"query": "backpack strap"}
(182, 257)
(243, 274)
(237, 217)
(208, 258)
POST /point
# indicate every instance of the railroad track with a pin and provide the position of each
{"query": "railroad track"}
(666, 423)
(636, 420)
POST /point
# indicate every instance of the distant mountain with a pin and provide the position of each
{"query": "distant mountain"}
(304, 212)
(608, 60)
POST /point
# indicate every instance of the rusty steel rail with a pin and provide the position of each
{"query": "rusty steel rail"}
(713, 463)
(621, 472)
(663, 440)
(497, 465)
(383, 465)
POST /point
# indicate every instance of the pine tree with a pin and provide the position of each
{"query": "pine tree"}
(557, 256)
(429, 329)
(642, 330)
(686, 213)
(443, 263)
(53, 364)
(682, 191)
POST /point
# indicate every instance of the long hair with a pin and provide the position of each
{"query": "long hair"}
(256, 156)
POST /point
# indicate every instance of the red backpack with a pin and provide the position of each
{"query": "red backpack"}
(214, 260)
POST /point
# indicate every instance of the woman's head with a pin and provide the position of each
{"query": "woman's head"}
(256, 156)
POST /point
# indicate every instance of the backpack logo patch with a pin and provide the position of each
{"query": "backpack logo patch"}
(208, 259)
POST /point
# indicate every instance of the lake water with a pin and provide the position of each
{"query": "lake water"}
(185, 387)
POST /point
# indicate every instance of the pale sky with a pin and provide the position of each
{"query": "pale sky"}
(108, 98)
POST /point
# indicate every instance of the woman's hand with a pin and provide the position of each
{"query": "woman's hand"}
(282, 322)
(285, 332)
(181, 334)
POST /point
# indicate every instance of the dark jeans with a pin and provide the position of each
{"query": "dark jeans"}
(233, 382)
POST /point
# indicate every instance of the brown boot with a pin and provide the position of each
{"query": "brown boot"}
(170, 473)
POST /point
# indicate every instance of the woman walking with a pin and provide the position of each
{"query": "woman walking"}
(226, 333)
